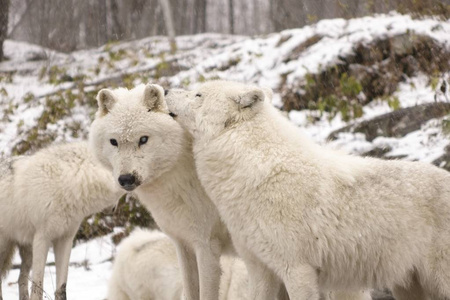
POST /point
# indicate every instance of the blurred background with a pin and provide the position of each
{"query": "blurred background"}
(368, 77)
(67, 25)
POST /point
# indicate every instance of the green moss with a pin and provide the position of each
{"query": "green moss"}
(349, 86)
(393, 102)
(201, 78)
(333, 105)
(3, 92)
(117, 55)
(28, 97)
(128, 213)
(185, 82)
(434, 81)
(129, 80)
(7, 77)
(446, 126)
(109, 45)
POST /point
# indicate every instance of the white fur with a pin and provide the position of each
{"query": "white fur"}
(44, 198)
(319, 219)
(167, 183)
(146, 268)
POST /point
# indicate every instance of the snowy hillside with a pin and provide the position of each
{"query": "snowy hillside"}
(330, 78)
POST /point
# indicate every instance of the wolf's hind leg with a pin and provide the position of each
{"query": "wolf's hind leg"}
(7, 248)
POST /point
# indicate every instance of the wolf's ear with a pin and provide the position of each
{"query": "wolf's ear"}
(250, 98)
(154, 97)
(106, 101)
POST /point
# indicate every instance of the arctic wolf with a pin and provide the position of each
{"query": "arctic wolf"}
(146, 267)
(44, 198)
(149, 153)
(317, 218)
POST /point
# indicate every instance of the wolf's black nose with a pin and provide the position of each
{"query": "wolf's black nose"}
(127, 180)
(166, 92)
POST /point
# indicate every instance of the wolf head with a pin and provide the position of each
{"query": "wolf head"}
(134, 136)
(215, 106)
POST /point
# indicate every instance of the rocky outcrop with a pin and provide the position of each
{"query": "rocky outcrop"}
(372, 70)
(397, 123)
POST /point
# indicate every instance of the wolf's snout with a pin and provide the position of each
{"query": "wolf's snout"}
(166, 92)
(127, 181)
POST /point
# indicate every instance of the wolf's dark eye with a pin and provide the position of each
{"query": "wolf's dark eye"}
(198, 95)
(143, 140)
(172, 114)
(113, 142)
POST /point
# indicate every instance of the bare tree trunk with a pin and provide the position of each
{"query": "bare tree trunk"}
(287, 14)
(117, 31)
(22, 19)
(43, 22)
(4, 12)
(102, 22)
(231, 16)
(200, 16)
(167, 11)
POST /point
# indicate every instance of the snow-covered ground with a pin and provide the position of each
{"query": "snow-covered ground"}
(25, 83)
(88, 273)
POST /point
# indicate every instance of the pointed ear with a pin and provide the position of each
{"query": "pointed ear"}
(106, 101)
(250, 98)
(154, 97)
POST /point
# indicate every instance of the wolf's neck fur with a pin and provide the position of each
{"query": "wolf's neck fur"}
(177, 192)
(100, 191)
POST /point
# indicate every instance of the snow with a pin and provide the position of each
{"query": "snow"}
(89, 271)
(262, 60)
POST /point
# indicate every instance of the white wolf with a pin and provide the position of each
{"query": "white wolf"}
(318, 218)
(44, 198)
(149, 153)
(146, 267)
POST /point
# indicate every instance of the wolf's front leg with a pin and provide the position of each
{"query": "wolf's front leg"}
(208, 260)
(62, 247)
(41, 245)
(26, 256)
(189, 271)
(263, 282)
(302, 282)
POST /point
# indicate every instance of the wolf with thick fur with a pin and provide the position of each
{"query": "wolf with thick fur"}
(44, 198)
(319, 219)
(146, 268)
(149, 153)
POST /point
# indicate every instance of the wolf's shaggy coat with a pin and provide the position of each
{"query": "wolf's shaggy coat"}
(317, 218)
(44, 198)
(146, 268)
(134, 137)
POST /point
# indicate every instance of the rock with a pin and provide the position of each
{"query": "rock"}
(444, 161)
(397, 123)
(296, 52)
(402, 44)
(381, 295)
(378, 67)
(377, 152)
